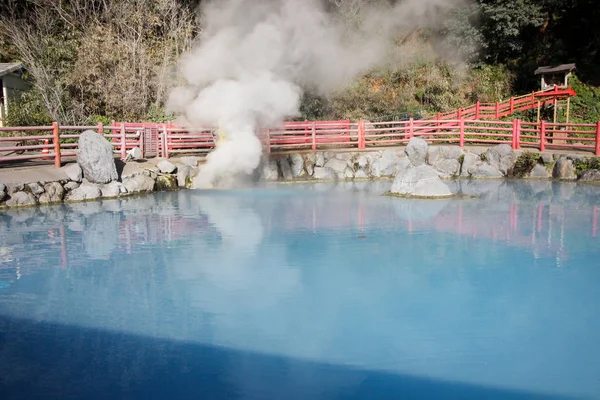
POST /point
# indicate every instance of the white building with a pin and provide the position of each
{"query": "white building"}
(11, 83)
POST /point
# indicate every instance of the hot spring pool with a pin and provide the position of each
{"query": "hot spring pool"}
(302, 292)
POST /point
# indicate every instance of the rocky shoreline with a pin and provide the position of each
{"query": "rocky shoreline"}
(419, 170)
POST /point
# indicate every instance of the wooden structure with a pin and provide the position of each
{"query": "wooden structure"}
(556, 77)
(11, 84)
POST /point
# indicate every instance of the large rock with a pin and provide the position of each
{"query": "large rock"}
(324, 173)
(95, 156)
(71, 185)
(386, 165)
(539, 171)
(483, 170)
(112, 189)
(2, 191)
(338, 166)
(270, 171)
(35, 188)
(469, 161)
(422, 181)
(286, 169)
(53, 193)
(592, 175)
(416, 150)
(448, 167)
(166, 167)
(184, 174)
(21, 199)
(297, 165)
(140, 183)
(73, 172)
(501, 157)
(319, 160)
(564, 170)
(84, 192)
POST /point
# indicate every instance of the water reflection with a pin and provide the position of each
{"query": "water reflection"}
(463, 290)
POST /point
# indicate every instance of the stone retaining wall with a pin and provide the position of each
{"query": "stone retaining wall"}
(134, 179)
(450, 162)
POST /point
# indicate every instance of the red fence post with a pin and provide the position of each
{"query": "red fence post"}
(56, 139)
(361, 134)
(512, 105)
(459, 113)
(477, 106)
(598, 139)
(314, 136)
(516, 140)
(543, 136)
(462, 132)
(497, 110)
(123, 146)
(100, 128)
(268, 132)
(411, 128)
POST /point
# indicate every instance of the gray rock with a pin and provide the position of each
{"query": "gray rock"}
(360, 174)
(71, 185)
(166, 167)
(35, 188)
(483, 170)
(95, 156)
(21, 199)
(112, 189)
(362, 161)
(297, 165)
(309, 166)
(539, 171)
(343, 156)
(448, 167)
(421, 181)
(564, 170)
(433, 153)
(338, 166)
(285, 168)
(189, 161)
(2, 191)
(73, 172)
(324, 173)
(469, 161)
(142, 183)
(84, 192)
(501, 157)
(270, 171)
(14, 187)
(547, 158)
(416, 150)
(319, 160)
(386, 165)
(592, 175)
(348, 173)
(53, 193)
(184, 174)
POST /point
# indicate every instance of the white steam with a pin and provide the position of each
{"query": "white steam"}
(254, 58)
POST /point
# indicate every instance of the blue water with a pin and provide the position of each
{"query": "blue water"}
(305, 292)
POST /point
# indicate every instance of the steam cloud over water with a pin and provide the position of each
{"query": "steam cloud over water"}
(255, 58)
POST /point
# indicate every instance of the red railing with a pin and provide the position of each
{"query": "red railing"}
(508, 107)
(165, 140)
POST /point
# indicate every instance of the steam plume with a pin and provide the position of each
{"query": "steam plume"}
(254, 58)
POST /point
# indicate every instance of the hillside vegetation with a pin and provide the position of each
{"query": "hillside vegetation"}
(97, 60)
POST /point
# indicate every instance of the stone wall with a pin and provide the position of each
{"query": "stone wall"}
(134, 178)
(450, 162)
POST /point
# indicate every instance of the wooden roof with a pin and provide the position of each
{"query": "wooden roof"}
(7, 68)
(555, 69)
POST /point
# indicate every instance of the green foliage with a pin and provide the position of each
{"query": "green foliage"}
(525, 163)
(585, 107)
(583, 165)
(28, 109)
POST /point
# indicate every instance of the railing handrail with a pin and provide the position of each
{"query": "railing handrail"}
(167, 139)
